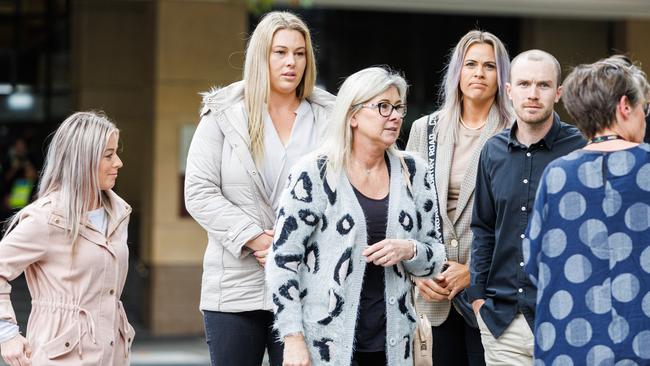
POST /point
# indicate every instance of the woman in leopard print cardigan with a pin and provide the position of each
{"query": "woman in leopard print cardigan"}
(321, 252)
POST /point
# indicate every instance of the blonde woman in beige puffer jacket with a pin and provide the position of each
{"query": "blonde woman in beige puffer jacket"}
(250, 134)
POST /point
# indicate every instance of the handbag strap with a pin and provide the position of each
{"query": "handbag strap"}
(432, 147)
(406, 174)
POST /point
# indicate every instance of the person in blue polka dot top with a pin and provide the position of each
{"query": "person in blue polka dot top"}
(587, 245)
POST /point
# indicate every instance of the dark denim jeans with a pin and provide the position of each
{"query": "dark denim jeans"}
(241, 338)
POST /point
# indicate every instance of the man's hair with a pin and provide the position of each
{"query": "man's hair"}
(539, 55)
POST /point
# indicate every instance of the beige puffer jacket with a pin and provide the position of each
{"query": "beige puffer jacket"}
(224, 193)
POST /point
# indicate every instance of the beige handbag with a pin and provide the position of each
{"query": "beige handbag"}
(422, 338)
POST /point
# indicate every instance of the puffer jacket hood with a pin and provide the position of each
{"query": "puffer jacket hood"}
(220, 98)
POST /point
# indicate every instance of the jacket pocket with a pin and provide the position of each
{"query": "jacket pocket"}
(63, 343)
(128, 333)
(126, 330)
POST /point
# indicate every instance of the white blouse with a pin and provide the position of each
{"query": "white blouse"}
(278, 158)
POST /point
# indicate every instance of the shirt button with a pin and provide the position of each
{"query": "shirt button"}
(523, 208)
(454, 243)
(528, 154)
(522, 236)
(254, 172)
(521, 264)
(67, 344)
(521, 290)
(111, 343)
(391, 300)
(525, 181)
(392, 341)
(111, 292)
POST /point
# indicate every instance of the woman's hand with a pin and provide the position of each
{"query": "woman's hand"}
(16, 351)
(295, 351)
(260, 245)
(389, 252)
(455, 278)
(430, 290)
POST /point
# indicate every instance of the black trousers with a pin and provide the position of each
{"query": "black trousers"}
(241, 338)
(369, 359)
(457, 344)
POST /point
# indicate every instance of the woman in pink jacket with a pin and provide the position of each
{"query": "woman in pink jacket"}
(71, 244)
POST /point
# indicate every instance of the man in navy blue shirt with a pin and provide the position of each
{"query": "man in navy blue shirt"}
(509, 170)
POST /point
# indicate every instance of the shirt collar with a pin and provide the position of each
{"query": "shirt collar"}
(548, 140)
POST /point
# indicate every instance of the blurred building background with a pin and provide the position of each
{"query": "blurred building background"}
(144, 62)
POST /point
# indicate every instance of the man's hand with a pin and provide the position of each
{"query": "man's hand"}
(476, 305)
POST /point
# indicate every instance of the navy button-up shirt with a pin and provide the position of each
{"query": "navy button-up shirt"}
(506, 183)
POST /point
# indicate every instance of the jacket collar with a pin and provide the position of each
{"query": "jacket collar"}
(229, 98)
(118, 211)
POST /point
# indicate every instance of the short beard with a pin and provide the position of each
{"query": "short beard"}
(537, 121)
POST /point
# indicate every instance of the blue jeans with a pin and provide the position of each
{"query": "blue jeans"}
(241, 338)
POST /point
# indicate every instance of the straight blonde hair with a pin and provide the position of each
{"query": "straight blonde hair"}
(452, 96)
(357, 89)
(71, 168)
(257, 86)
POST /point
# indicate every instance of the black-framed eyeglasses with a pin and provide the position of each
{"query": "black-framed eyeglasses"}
(646, 109)
(385, 109)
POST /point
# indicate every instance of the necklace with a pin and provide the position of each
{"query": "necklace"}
(365, 170)
(472, 128)
(604, 138)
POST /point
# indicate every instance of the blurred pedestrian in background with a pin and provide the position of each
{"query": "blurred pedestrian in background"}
(18, 174)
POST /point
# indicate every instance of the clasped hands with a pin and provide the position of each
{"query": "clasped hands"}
(260, 245)
(446, 285)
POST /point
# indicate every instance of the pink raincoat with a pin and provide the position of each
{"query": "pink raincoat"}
(77, 317)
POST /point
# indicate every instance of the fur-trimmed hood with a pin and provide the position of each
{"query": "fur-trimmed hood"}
(219, 98)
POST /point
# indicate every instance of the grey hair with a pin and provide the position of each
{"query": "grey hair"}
(592, 91)
(357, 89)
(539, 55)
(451, 95)
(71, 167)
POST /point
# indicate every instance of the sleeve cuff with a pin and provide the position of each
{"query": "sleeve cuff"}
(475, 292)
(291, 329)
(8, 330)
(237, 237)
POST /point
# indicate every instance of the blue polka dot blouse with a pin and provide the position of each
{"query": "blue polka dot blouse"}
(587, 248)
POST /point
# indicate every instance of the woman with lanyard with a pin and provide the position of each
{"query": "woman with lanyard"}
(475, 107)
(71, 244)
(251, 133)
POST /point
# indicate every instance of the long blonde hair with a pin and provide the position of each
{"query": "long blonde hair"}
(452, 96)
(71, 168)
(256, 72)
(357, 89)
